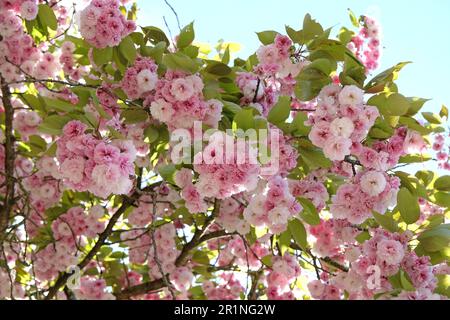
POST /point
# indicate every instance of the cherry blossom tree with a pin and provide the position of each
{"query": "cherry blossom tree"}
(136, 166)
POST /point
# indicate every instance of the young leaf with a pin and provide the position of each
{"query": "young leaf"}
(280, 111)
(309, 213)
(298, 232)
(186, 36)
(408, 206)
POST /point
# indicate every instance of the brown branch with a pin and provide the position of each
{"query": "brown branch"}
(199, 237)
(8, 203)
(127, 202)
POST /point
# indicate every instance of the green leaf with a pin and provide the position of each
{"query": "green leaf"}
(443, 112)
(378, 83)
(298, 232)
(311, 29)
(314, 158)
(280, 111)
(267, 37)
(309, 213)
(127, 49)
(186, 36)
(218, 68)
(155, 35)
(442, 183)
(386, 221)
(405, 282)
(408, 206)
(353, 18)
(393, 104)
(435, 239)
(102, 56)
(134, 116)
(432, 117)
(179, 61)
(267, 260)
(151, 134)
(53, 124)
(415, 104)
(298, 124)
(244, 119)
(156, 52)
(362, 237)
(167, 172)
(442, 199)
(284, 240)
(59, 105)
(47, 17)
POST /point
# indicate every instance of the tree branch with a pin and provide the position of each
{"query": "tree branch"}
(127, 202)
(8, 203)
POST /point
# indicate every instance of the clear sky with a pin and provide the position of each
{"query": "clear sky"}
(413, 30)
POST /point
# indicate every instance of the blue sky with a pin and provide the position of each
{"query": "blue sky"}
(413, 30)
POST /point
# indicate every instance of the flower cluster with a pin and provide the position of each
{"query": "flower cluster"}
(310, 188)
(26, 122)
(27, 9)
(92, 288)
(332, 236)
(229, 289)
(226, 166)
(76, 223)
(140, 79)
(341, 121)
(179, 101)
(369, 190)
(88, 163)
(167, 253)
(366, 45)
(441, 147)
(272, 206)
(102, 24)
(285, 271)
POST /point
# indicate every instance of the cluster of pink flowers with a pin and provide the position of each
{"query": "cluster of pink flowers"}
(89, 163)
(102, 24)
(285, 271)
(138, 243)
(225, 167)
(310, 188)
(92, 288)
(66, 59)
(140, 79)
(442, 149)
(16, 46)
(179, 102)
(272, 206)
(28, 9)
(55, 258)
(341, 121)
(229, 289)
(229, 217)
(26, 122)
(76, 223)
(332, 236)
(5, 287)
(167, 253)
(368, 190)
(237, 252)
(366, 45)
(280, 65)
(142, 214)
(383, 155)
(44, 186)
(182, 278)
